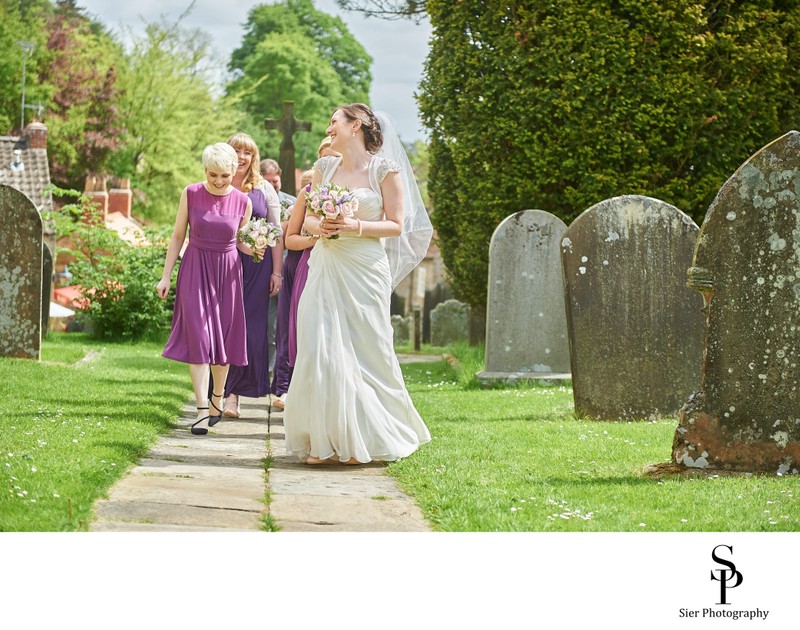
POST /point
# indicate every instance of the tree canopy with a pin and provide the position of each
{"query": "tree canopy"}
(558, 105)
(291, 51)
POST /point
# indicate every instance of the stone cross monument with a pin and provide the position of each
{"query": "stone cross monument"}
(287, 124)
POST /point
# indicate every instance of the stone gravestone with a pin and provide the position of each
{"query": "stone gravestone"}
(449, 323)
(47, 282)
(635, 329)
(747, 267)
(402, 326)
(526, 329)
(20, 275)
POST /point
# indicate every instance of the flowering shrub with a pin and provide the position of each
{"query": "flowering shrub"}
(116, 279)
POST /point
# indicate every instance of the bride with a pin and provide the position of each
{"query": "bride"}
(347, 401)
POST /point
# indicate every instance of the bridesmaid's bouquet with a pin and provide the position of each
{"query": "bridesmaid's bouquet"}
(286, 209)
(330, 201)
(259, 234)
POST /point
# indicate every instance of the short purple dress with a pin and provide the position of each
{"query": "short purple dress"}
(253, 379)
(208, 323)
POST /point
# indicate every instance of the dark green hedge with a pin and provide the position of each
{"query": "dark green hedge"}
(558, 105)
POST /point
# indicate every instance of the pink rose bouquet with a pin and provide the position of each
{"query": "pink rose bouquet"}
(330, 201)
(259, 234)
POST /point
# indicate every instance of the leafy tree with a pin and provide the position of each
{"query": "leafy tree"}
(18, 25)
(291, 51)
(387, 9)
(77, 73)
(557, 105)
(171, 113)
(419, 157)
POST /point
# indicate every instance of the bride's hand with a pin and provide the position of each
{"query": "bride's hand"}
(331, 227)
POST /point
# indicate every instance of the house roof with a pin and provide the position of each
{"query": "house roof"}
(34, 176)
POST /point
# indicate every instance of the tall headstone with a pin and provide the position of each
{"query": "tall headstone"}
(635, 329)
(526, 329)
(20, 275)
(747, 267)
(47, 283)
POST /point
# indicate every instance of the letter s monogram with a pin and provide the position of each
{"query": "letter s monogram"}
(723, 573)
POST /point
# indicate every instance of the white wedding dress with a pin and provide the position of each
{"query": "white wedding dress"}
(347, 398)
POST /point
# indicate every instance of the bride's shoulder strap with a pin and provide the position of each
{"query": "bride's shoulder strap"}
(325, 165)
(379, 168)
(383, 166)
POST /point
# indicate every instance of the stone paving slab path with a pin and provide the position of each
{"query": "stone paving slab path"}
(214, 482)
(217, 482)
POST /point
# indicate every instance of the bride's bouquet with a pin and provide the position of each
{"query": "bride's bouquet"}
(330, 201)
(259, 234)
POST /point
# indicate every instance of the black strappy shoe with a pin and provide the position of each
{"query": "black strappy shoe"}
(200, 430)
(212, 420)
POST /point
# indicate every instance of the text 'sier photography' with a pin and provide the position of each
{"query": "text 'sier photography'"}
(736, 580)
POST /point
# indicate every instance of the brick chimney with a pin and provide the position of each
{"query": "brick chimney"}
(120, 197)
(36, 132)
(95, 190)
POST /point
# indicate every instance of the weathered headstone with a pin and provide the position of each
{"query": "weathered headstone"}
(20, 275)
(47, 282)
(433, 297)
(401, 327)
(747, 267)
(526, 329)
(449, 323)
(635, 329)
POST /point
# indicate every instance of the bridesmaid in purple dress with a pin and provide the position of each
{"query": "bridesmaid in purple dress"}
(261, 280)
(283, 367)
(208, 321)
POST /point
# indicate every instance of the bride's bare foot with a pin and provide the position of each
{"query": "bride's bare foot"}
(314, 461)
(350, 462)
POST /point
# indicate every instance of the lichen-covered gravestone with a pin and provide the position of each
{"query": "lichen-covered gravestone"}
(635, 329)
(449, 323)
(747, 267)
(526, 329)
(20, 275)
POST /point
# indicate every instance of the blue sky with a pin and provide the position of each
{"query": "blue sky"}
(398, 47)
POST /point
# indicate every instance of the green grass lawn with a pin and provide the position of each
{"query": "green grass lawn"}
(74, 422)
(501, 459)
(517, 459)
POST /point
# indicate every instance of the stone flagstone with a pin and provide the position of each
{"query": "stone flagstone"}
(20, 275)
(635, 329)
(526, 329)
(746, 265)
(217, 482)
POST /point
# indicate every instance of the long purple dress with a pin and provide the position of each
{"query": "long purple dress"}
(208, 321)
(253, 379)
(282, 370)
(300, 277)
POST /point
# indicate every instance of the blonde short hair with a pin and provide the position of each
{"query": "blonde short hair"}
(220, 155)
